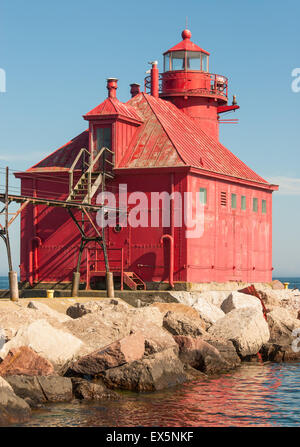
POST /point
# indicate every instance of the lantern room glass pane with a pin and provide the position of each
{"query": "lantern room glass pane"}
(204, 62)
(167, 62)
(178, 58)
(193, 60)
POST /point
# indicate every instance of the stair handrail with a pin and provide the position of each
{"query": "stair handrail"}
(103, 149)
(72, 168)
(91, 167)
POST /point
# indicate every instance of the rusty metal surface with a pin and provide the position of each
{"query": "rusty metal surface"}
(62, 158)
(167, 137)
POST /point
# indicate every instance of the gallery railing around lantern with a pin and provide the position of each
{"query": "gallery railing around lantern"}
(192, 83)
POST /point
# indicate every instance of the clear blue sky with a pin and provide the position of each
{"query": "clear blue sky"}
(58, 54)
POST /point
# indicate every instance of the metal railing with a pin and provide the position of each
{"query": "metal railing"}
(88, 168)
(81, 153)
(218, 86)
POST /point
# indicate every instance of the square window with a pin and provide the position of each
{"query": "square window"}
(264, 206)
(233, 201)
(203, 196)
(255, 204)
(243, 202)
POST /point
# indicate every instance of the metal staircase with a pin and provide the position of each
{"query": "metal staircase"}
(133, 281)
(92, 176)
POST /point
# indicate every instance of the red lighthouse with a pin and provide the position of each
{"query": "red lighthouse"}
(160, 145)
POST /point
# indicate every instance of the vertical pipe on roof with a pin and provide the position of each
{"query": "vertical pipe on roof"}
(154, 80)
(134, 89)
(112, 85)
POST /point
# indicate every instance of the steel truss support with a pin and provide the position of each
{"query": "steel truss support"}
(85, 240)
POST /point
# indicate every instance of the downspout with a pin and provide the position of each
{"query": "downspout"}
(171, 236)
(171, 271)
(35, 243)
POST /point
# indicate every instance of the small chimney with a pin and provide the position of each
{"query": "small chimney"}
(112, 85)
(154, 79)
(134, 90)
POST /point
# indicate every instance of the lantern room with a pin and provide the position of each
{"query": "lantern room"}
(187, 83)
(186, 56)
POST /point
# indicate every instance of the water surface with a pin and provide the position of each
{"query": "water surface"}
(253, 395)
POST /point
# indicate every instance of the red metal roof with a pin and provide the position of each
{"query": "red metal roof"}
(169, 137)
(186, 44)
(112, 107)
(62, 158)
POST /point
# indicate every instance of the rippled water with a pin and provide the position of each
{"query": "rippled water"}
(253, 395)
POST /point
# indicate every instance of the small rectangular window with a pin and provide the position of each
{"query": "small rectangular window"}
(223, 198)
(103, 137)
(255, 204)
(243, 202)
(233, 201)
(203, 196)
(264, 206)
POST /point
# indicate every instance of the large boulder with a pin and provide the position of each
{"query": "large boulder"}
(24, 361)
(13, 320)
(179, 308)
(55, 345)
(226, 349)
(159, 371)
(101, 328)
(281, 324)
(146, 315)
(208, 312)
(280, 298)
(78, 310)
(13, 409)
(274, 352)
(56, 388)
(41, 389)
(86, 390)
(246, 328)
(28, 388)
(237, 300)
(214, 297)
(277, 285)
(202, 302)
(125, 350)
(179, 324)
(201, 355)
(48, 312)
